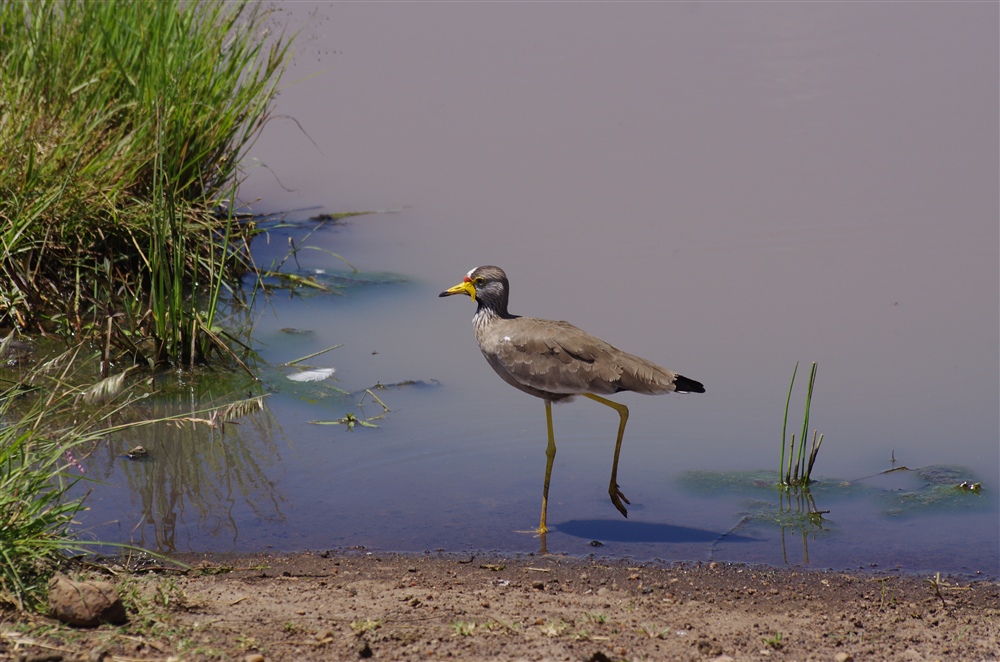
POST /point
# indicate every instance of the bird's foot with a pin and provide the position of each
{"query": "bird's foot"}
(540, 531)
(617, 497)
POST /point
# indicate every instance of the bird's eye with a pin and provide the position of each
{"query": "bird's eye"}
(479, 281)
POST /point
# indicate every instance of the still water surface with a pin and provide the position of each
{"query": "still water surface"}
(722, 188)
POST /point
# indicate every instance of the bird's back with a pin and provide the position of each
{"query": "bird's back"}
(556, 360)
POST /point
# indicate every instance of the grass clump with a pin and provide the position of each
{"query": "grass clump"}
(41, 441)
(366, 625)
(35, 473)
(774, 641)
(798, 471)
(464, 628)
(123, 126)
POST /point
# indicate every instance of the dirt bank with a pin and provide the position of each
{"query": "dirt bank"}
(354, 605)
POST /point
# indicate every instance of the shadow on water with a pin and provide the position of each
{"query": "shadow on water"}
(623, 531)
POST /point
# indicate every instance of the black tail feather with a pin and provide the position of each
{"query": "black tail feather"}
(685, 385)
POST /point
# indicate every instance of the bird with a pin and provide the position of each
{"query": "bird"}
(556, 361)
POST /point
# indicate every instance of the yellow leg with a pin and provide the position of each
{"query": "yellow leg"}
(550, 456)
(616, 494)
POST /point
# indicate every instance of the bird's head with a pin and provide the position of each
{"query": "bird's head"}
(486, 285)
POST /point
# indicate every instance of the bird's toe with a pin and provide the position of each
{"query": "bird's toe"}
(617, 498)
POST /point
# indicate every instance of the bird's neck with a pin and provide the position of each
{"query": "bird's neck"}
(486, 315)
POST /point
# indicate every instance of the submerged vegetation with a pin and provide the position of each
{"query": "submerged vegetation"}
(911, 491)
(123, 126)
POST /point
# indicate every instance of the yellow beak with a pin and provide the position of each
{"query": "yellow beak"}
(464, 287)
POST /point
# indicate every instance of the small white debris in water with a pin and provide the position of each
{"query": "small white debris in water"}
(317, 375)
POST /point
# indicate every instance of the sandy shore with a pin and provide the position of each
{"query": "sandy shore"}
(354, 605)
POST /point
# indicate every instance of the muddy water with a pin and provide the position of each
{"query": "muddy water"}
(723, 188)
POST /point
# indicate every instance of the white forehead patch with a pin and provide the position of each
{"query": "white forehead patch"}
(469, 275)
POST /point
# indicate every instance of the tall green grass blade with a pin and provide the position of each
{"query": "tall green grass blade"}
(784, 428)
(805, 423)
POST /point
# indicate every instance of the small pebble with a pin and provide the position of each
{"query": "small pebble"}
(843, 657)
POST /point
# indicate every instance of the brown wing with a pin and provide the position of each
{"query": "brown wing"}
(557, 357)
